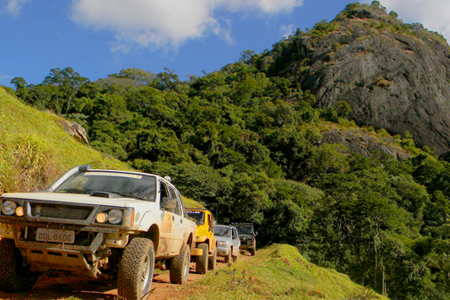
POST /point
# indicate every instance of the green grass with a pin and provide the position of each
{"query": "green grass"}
(278, 272)
(35, 150)
(188, 202)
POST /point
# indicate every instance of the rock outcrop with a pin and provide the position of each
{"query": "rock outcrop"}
(75, 130)
(393, 75)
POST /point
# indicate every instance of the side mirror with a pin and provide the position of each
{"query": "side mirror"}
(213, 224)
(168, 203)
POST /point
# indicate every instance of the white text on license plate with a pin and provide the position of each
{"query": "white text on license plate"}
(55, 235)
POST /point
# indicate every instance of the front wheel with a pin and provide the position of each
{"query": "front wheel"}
(212, 264)
(229, 255)
(179, 266)
(252, 251)
(136, 269)
(15, 277)
(236, 257)
(201, 265)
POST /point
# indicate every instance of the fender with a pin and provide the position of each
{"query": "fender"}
(149, 218)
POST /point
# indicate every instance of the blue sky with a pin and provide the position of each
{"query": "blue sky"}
(101, 37)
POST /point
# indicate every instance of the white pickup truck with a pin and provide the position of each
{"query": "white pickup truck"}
(97, 223)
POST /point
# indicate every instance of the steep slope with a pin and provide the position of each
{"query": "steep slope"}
(393, 75)
(279, 272)
(35, 149)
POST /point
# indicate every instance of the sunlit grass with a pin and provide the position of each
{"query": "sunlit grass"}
(35, 149)
(278, 272)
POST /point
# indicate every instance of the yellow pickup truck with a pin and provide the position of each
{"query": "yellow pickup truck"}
(205, 251)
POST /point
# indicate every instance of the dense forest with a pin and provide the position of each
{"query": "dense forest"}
(247, 141)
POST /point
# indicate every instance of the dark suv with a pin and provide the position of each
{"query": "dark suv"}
(247, 235)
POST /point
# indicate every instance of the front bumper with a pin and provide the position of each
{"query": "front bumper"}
(247, 244)
(84, 256)
(223, 250)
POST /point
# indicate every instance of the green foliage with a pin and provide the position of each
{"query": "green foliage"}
(323, 28)
(247, 142)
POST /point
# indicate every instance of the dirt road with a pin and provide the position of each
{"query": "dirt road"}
(61, 286)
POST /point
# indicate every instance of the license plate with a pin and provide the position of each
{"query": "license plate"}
(55, 235)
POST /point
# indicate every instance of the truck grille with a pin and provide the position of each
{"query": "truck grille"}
(60, 211)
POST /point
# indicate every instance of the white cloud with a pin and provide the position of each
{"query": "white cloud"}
(5, 79)
(15, 6)
(433, 14)
(287, 30)
(167, 23)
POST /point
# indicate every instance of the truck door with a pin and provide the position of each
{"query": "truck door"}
(168, 240)
(236, 241)
(179, 229)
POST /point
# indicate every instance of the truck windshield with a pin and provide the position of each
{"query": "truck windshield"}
(122, 184)
(245, 229)
(222, 231)
(199, 216)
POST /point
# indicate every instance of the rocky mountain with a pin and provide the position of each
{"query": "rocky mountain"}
(393, 75)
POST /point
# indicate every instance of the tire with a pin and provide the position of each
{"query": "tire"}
(228, 257)
(236, 257)
(212, 264)
(179, 266)
(252, 251)
(14, 276)
(136, 269)
(201, 266)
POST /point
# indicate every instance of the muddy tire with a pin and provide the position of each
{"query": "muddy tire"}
(252, 251)
(201, 266)
(236, 257)
(14, 276)
(179, 266)
(212, 260)
(228, 257)
(136, 269)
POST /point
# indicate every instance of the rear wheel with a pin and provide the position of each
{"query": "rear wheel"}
(201, 266)
(15, 277)
(179, 266)
(212, 264)
(136, 269)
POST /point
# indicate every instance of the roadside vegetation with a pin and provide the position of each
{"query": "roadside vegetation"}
(278, 272)
(35, 150)
(247, 143)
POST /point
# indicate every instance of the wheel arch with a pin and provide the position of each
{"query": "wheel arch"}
(153, 234)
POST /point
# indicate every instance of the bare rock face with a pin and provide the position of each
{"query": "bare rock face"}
(75, 130)
(393, 75)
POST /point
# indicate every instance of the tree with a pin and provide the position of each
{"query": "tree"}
(68, 83)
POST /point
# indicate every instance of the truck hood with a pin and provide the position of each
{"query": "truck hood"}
(76, 198)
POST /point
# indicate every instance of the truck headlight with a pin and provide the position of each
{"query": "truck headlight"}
(115, 216)
(101, 218)
(9, 208)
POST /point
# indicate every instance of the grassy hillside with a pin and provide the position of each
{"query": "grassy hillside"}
(279, 272)
(35, 150)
